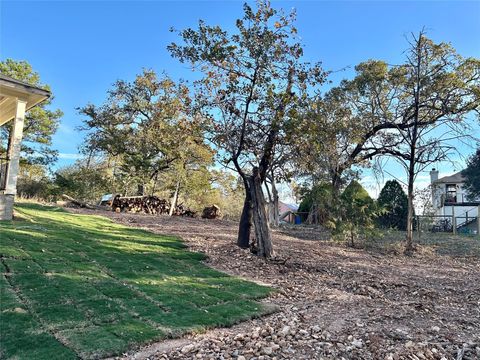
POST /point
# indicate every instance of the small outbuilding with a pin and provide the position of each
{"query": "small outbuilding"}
(16, 98)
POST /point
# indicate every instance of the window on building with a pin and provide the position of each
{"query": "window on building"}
(451, 196)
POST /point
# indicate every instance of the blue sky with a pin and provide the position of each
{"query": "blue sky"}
(81, 47)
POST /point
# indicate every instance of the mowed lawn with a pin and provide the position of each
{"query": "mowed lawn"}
(76, 286)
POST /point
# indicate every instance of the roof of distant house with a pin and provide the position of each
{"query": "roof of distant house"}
(455, 178)
(291, 207)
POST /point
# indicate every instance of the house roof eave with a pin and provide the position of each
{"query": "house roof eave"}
(13, 89)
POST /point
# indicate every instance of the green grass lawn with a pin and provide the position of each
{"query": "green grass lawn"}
(76, 286)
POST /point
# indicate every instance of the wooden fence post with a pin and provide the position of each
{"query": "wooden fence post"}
(478, 220)
(454, 221)
(418, 226)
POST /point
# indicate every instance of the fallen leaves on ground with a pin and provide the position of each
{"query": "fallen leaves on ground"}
(334, 302)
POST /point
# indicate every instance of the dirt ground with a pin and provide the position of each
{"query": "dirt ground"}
(333, 302)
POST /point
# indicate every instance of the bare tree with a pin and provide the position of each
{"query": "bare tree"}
(436, 93)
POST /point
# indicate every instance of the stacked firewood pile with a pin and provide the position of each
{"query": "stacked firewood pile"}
(149, 205)
(211, 212)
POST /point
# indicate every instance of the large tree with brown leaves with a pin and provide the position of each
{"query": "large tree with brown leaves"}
(254, 82)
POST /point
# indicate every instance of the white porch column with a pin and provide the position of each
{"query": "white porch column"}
(14, 148)
(7, 196)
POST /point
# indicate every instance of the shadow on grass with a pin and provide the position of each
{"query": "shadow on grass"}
(101, 288)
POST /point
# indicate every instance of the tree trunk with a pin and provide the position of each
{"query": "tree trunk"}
(411, 178)
(334, 208)
(413, 148)
(245, 226)
(155, 179)
(336, 179)
(270, 207)
(409, 239)
(276, 211)
(173, 205)
(140, 189)
(260, 220)
(273, 210)
(271, 213)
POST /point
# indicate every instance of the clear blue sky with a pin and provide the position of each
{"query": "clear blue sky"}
(81, 48)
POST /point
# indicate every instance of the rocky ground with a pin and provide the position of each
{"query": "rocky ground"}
(333, 302)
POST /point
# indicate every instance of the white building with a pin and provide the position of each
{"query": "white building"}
(16, 98)
(450, 199)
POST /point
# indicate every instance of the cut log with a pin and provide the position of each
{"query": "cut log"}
(211, 212)
(78, 202)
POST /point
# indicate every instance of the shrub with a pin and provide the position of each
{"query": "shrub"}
(356, 215)
(394, 204)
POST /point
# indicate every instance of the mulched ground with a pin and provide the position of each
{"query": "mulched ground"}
(334, 302)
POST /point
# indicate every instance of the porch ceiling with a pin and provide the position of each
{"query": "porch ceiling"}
(11, 90)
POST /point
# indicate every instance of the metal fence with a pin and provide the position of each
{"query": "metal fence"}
(448, 224)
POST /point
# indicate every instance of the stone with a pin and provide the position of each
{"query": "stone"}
(358, 343)
(316, 328)
(286, 330)
(239, 337)
(267, 350)
(303, 332)
(187, 348)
